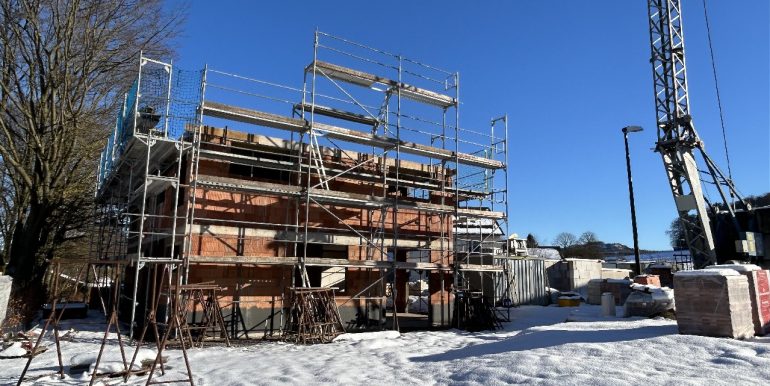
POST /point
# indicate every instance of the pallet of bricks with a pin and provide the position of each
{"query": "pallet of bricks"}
(714, 302)
(759, 294)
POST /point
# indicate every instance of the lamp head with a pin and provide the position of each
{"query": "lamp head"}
(632, 129)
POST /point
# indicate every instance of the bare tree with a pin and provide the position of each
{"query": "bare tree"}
(565, 240)
(588, 237)
(63, 64)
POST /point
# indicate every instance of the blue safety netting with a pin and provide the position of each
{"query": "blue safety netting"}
(162, 102)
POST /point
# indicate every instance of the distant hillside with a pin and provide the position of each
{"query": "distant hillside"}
(618, 249)
(595, 250)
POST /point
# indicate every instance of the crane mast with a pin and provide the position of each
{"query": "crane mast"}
(677, 138)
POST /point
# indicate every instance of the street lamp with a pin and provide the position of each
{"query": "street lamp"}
(626, 130)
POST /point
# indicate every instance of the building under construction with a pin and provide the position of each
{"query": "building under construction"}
(362, 180)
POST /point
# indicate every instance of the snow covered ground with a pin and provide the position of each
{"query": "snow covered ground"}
(537, 347)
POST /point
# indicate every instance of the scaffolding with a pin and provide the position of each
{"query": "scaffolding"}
(364, 172)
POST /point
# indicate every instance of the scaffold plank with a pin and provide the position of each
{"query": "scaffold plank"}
(317, 262)
(260, 118)
(337, 197)
(239, 114)
(270, 163)
(480, 268)
(336, 113)
(484, 214)
(364, 79)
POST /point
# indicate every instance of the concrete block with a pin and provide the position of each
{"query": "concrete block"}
(595, 291)
(615, 273)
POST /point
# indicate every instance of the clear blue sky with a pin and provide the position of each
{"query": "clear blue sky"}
(570, 74)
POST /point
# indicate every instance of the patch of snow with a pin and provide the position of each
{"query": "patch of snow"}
(89, 357)
(418, 305)
(709, 272)
(111, 361)
(14, 350)
(544, 253)
(359, 336)
(419, 285)
(111, 367)
(737, 267)
(658, 293)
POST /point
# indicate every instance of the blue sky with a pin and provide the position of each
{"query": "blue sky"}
(570, 75)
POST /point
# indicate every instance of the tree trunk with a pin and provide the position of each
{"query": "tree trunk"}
(28, 263)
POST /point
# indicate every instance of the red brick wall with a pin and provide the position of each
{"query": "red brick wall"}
(265, 284)
(260, 286)
(437, 291)
(233, 245)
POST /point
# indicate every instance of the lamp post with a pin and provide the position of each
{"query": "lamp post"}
(626, 130)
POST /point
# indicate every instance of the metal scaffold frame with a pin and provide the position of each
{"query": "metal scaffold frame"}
(397, 131)
(142, 160)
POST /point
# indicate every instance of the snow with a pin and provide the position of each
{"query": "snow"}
(536, 347)
(659, 293)
(111, 361)
(709, 272)
(544, 253)
(357, 337)
(371, 340)
(14, 350)
(737, 267)
(418, 304)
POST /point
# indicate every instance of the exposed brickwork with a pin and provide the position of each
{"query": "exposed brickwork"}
(648, 279)
(231, 224)
(258, 286)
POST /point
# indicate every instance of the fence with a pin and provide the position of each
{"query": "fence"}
(528, 281)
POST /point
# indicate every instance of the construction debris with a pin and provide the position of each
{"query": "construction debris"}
(314, 317)
(648, 301)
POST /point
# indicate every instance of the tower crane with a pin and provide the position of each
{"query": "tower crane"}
(678, 141)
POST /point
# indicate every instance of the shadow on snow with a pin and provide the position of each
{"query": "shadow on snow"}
(531, 340)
